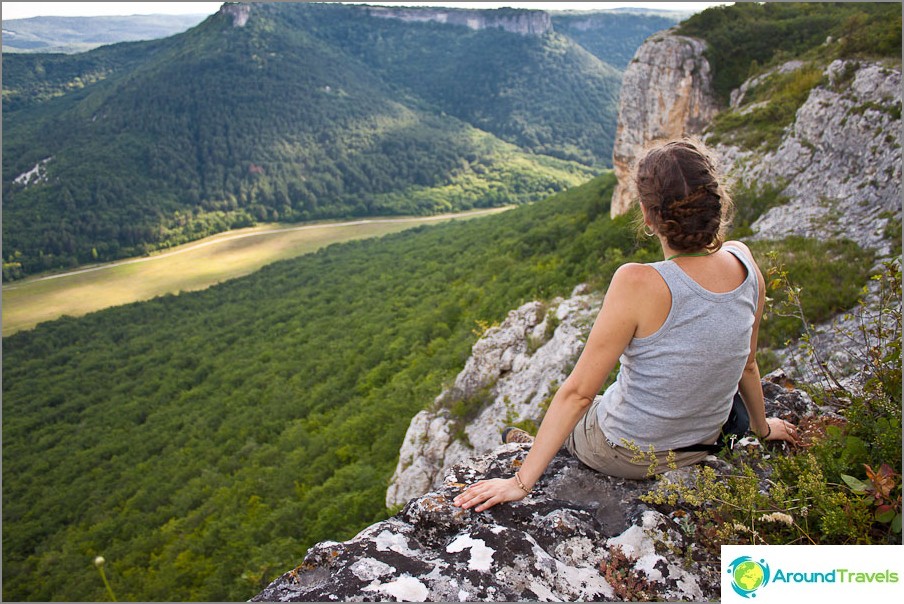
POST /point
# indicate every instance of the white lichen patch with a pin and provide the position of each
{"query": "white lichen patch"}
(481, 555)
(578, 550)
(403, 589)
(583, 583)
(387, 541)
(368, 569)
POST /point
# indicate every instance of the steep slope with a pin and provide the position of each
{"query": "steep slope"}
(816, 126)
(508, 73)
(277, 112)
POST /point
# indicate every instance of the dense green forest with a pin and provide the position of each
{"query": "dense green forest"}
(202, 442)
(308, 111)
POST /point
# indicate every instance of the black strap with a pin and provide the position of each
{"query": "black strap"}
(713, 449)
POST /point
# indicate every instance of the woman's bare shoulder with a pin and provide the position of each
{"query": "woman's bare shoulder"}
(635, 273)
(740, 245)
(637, 279)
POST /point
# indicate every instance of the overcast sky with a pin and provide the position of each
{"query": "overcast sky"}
(23, 10)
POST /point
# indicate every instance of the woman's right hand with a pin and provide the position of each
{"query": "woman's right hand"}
(781, 429)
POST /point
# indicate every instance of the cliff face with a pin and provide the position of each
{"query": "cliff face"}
(510, 374)
(666, 92)
(839, 163)
(525, 23)
(238, 12)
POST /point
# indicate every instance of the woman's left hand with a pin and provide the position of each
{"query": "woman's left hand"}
(487, 493)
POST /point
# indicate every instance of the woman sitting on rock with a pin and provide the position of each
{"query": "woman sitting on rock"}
(685, 330)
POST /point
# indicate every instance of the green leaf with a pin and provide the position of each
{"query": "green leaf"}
(885, 515)
(856, 485)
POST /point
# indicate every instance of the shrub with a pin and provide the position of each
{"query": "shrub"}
(832, 273)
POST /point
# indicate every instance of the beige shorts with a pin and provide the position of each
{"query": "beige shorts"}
(588, 443)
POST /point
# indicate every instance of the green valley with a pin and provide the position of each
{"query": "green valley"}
(188, 267)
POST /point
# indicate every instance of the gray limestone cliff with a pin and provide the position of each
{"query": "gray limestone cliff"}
(666, 92)
(239, 13)
(511, 373)
(838, 163)
(523, 22)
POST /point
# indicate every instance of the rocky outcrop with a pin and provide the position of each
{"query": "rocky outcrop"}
(238, 11)
(666, 93)
(511, 373)
(523, 22)
(839, 163)
(580, 536)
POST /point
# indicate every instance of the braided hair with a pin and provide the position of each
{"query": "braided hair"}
(678, 185)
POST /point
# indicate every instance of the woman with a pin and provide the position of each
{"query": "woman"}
(685, 330)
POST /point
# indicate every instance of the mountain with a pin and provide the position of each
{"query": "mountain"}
(79, 34)
(287, 112)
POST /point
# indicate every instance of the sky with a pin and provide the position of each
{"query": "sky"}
(24, 10)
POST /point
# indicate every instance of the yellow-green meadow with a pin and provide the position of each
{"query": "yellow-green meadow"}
(188, 267)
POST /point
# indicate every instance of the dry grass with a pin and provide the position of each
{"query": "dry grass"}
(193, 266)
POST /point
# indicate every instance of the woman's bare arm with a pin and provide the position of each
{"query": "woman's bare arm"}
(612, 332)
(750, 386)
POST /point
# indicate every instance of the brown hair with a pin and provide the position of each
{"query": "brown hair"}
(678, 184)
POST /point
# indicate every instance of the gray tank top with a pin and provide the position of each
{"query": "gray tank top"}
(674, 387)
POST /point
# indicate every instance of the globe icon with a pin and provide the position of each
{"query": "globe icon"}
(748, 575)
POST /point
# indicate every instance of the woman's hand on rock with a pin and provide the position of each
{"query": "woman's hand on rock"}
(782, 430)
(487, 493)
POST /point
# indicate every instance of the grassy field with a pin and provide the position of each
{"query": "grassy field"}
(193, 266)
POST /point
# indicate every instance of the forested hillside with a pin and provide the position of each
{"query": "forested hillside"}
(612, 36)
(745, 37)
(303, 111)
